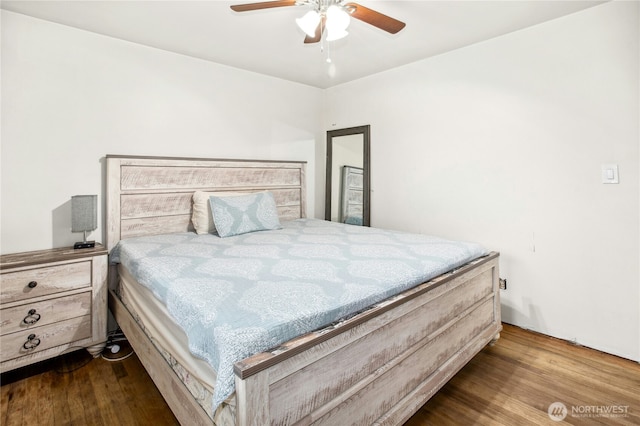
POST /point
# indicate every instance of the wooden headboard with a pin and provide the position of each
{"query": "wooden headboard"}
(152, 195)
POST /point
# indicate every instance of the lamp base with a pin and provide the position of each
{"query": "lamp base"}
(84, 245)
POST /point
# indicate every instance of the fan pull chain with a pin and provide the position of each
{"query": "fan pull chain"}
(323, 39)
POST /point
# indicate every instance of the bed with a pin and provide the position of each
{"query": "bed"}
(378, 365)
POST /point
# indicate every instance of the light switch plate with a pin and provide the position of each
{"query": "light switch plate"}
(610, 173)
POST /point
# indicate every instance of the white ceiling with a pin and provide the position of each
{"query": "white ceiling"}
(269, 42)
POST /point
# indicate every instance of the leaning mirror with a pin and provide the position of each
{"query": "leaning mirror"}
(348, 171)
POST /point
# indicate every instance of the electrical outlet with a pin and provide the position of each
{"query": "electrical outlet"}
(503, 283)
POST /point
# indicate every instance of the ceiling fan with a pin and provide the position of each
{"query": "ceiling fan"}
(330, 15)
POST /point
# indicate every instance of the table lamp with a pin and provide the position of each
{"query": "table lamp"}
(84, 218)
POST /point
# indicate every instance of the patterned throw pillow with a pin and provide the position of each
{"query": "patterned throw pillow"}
(244, 213)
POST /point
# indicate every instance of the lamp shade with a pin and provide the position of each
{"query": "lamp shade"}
(337, 18)
(309, 22)
(84, 213)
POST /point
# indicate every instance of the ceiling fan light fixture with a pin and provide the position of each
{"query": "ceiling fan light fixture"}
(328, 16)
(309, 22)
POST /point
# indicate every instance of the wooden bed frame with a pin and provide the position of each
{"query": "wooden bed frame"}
(378, 367)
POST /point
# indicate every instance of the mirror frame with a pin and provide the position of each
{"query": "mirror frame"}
(365, 131)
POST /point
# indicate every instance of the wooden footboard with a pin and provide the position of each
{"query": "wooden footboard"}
(378, 367)
(381, 366)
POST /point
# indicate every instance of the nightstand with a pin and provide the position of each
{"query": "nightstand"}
(52, 301)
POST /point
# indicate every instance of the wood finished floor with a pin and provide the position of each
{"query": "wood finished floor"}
(510, 383)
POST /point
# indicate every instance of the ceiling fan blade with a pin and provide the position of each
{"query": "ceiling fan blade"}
(319, 30)
(374, 18)
(262, 5)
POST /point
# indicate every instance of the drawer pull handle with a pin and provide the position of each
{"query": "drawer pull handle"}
(32, 342)
(32, 284)
(32, 317)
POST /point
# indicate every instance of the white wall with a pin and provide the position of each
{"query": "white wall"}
(69, 97)
(502, 143)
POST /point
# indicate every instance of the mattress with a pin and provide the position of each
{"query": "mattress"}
(153, 318)
(237, 296)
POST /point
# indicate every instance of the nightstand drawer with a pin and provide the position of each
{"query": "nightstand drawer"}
(43, 281)
(40, 338)
(32, 315)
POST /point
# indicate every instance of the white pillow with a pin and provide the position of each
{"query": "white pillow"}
(201, 215)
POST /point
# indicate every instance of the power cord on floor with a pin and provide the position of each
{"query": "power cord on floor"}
(117, 342)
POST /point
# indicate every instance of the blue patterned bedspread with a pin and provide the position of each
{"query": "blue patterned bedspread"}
(238, 296)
